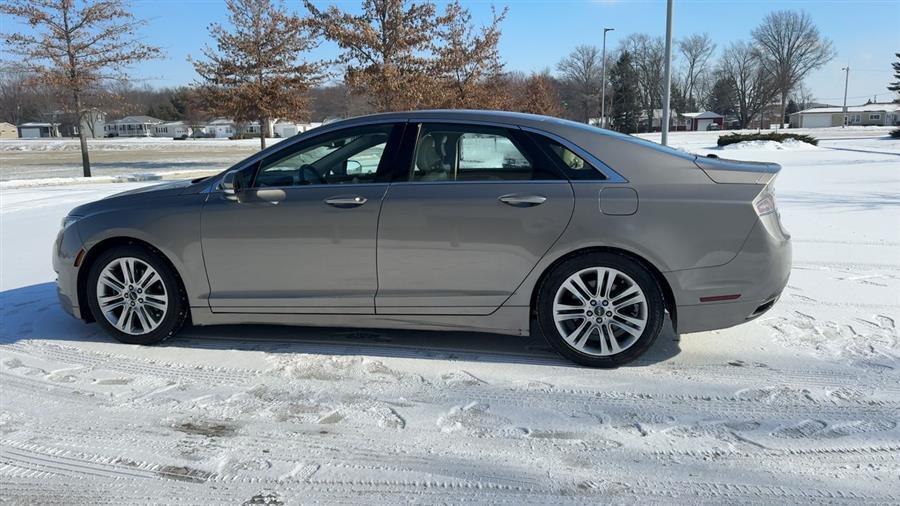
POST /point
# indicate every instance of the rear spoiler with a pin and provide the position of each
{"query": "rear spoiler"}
(722, 170)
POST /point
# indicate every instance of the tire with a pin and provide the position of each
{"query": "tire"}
(624, 309)
(145, 322)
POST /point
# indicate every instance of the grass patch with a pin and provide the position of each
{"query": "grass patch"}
(725, 140)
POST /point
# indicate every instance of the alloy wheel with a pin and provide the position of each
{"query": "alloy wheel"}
(600, 311)
(132, 296)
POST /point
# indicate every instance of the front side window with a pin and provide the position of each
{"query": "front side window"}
(347, 157)
(469, 153)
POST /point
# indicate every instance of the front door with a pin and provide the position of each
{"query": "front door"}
(473, 213)
(300, 238)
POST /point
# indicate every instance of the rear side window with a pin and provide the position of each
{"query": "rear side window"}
(574, 165)
(448, 152)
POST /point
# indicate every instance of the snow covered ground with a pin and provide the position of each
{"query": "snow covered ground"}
(800, 406)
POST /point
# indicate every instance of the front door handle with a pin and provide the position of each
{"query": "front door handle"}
(345, 201)
(523, 200)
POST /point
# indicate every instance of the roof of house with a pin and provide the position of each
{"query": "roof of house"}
(876, 107)
(221, 121)
(35, 124)
(137, 119)
(702, 115)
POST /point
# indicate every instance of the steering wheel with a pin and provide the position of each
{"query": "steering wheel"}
(309, 169)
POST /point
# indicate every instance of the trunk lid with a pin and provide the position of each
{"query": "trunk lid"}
(722, 170)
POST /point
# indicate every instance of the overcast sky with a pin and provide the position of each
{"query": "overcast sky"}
(538, 33)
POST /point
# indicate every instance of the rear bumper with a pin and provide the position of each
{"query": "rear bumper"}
(758, 274)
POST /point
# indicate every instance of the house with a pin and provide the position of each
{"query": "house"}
(880, 114)
(703, 121)
(132, 126)
(675, 123)
(173, 129)
(93, 123)
(8, 131)
(34, 130)
(220, 128)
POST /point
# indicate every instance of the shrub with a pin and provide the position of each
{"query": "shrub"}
(895, 133)
(725, 140)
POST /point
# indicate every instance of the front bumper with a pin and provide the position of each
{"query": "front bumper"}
(758, 274)
(65, 250)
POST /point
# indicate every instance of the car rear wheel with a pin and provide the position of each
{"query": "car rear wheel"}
(135, 295)
(600, 309)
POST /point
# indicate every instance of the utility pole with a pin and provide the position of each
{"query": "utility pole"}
(846, 81)
(667, 92)
(603, 81)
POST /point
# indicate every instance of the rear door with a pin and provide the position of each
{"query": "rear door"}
(467, 220)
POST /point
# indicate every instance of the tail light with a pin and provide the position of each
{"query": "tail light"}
(765, 204)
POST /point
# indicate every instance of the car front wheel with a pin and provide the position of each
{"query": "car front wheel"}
(600, 309)
(135, 295)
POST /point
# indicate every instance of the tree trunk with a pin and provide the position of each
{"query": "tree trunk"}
(783, 109)
(262, 133)
(82, 139)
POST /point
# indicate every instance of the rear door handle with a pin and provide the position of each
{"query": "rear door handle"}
(523, 200)
(345, 201)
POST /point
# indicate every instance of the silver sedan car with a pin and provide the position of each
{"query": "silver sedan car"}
(474, 220)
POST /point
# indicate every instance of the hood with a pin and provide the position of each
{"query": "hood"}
(131, 197)
(172, 185)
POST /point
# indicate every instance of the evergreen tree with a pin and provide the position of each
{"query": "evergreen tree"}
(791, 108)
(895, 86)
(722, 98)
(626, 102)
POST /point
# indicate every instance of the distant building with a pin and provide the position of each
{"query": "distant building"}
(220, 128)
(676, 122)
(286, 129)
(880, 114)
(703, 121)
(93, 123)
(173, 129)
(8, 131)
(132, 126)
(35, 130)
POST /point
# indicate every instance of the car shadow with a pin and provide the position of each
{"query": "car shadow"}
(33, 313)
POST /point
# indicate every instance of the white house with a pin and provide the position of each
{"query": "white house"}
(220, 128)
(132, 126)
(880, 114)
(173, 129)
(35, 130)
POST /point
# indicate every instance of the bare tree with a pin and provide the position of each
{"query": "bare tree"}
(256, 72)
(740, 65)
(697, 50)
(647, 58)
(387, 50)
(468, 59)
(581, 74)
(76, 46)
(790, 47)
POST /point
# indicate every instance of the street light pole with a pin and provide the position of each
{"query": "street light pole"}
(667, 92)
(603, 81)
(846, 82)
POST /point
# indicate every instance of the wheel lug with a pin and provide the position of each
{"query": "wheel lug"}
(140, 291)
(593, 302)
(605, 302)
(609, 313)
(140, 300)
(132, 303)
(599, 320)
(590, 313)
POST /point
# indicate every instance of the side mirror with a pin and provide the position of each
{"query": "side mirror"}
(232, 183)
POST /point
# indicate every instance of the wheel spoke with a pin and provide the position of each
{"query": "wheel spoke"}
(607, 281)
(573, 337)
(123, 319)
(107, 279)
(628, 328)
(576, 286)
(149, 280)
(142, 320)
(626, 295)
(111, 304)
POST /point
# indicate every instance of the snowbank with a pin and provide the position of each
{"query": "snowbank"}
(121, 178)
(787, 144)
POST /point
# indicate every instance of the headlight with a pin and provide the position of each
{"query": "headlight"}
(68, 220)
